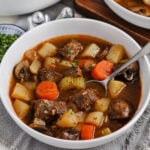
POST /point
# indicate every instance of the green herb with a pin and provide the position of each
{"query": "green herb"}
(46, 106)
(70, 111)
(90, 67)
(70, 51)
(5, 42)
(74, 64)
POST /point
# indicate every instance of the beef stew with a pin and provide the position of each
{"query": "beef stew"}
(138, 6)
(49, 93)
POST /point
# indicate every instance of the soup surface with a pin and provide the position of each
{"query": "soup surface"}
(136, 6)
(49, 92)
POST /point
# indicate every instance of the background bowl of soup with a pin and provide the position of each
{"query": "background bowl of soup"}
(130, 11)
(8, 8)
(69, 27)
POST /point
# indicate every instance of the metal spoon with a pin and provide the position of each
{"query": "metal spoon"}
(145, 50)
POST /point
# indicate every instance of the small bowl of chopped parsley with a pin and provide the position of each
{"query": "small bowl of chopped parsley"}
(8, 34)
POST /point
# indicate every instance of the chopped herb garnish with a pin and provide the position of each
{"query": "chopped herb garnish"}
(90, 67)
(70, 111)
(46, 106)
(74, 64)
(70, 51)
(5, 42)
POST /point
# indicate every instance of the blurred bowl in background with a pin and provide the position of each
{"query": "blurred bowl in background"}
(17, 7)
(136, 19)
(8, 34)
(11, 29)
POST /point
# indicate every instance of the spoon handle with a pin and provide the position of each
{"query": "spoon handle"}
(145, 50)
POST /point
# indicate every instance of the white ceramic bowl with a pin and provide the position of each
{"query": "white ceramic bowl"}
(128, 15)
(63, 27)
(17, 7)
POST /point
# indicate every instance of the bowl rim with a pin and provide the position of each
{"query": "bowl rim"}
(112, 3)
(28, 130)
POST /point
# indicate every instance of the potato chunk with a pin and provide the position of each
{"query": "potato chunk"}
(21, 92)
(68, 119)
(31, 54)
(50, 62)
(91, 51)
(35, 66)
(31, 85)
(81, 116)
(47, 49)
(106, 131)
(102, 104)
(21, 108)
(116, 54)
(115, 87)
(64, 64)
(96, 118)
(72, 83)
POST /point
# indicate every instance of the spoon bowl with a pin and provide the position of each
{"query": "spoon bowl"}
(145, 50)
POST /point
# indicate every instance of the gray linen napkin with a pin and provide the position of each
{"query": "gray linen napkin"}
(13, 138)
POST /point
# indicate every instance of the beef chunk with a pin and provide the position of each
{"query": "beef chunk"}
(64, 95)
(73, 72)
(38, 127)
(84, 99)
(71, 50)
(48, 110)
(41, 129)
(119, 110)
(102, 54)
(68, 134)
(48, 74)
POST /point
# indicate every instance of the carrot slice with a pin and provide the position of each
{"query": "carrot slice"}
(87, 64)
(47, 90)
(102, 70)
(87, 132)
(82, 62)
